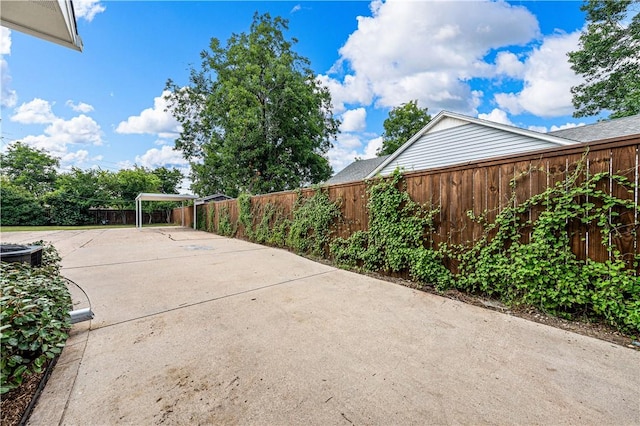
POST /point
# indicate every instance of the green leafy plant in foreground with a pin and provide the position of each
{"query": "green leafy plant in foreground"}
(34, 308)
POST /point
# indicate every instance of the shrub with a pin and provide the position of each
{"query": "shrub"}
(34, 309)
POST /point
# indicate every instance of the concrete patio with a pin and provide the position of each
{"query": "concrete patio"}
(193, 328)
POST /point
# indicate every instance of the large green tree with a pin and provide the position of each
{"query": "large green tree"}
(170, 179)
(75, 193)
(403, 122)
(254, 117)
(607, 58)
(29, 168)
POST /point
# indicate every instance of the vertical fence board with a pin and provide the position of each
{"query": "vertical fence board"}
(493, 195)
(506, 175)
(522, 182)
(623, 163)
(480, 189)
(599, 162)
(538, 185)
(436, 197)
(577, 232)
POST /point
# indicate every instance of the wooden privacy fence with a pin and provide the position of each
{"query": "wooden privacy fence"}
(484, 187)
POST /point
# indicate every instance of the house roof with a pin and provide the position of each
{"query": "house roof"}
(356, 171)
(52, 20)
(602, 130)
(447, 120)
(213, 197)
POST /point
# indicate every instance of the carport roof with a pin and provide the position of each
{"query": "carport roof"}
(147, 196)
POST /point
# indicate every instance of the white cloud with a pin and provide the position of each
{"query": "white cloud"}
(544, 129)
(508, 64)
(296, 8)
(164, 156)
(79, 107)
(497, 116)
(8, 96)
(539, 129)
(548, 79)
(87, 9)
(565, 126)
(61, 135)
(37, 111)
(372, 147)
(80, 130)
(5, 41)
(350, 91)
(155, 121)
(354, 120)
(425, 51)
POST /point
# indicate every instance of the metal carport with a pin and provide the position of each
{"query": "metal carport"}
(144, 196)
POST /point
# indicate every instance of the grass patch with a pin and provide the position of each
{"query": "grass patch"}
(73, 228)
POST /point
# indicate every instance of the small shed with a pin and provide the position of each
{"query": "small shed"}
(145, 196)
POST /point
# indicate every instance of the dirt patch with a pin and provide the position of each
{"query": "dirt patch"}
(14, 403)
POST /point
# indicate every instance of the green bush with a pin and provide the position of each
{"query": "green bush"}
(19, 206)
(34, 309)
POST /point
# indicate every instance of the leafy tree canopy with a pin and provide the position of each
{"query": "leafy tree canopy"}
(403, 122)
(29, 168)
(254, 117)
(170, 179)
(608, 59)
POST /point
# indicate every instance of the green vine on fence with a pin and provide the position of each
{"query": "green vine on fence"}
(398, 236)
(272, 227)
(544, 272)
(311, 223)
(225, 227)
(245, 215)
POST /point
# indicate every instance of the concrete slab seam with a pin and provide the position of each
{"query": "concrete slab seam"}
(202, 302)
(191, 254)
(75, 375)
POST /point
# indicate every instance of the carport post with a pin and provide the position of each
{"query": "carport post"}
(194, 214)
(182, 213)
(137, 209)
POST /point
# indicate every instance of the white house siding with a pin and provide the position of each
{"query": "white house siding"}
(462, 144)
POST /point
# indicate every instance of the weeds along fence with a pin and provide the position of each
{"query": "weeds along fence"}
(482, 189)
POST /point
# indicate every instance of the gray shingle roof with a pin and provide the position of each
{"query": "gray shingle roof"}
(357, 170)
(602, 130)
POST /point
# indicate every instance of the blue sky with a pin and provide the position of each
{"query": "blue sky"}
(503, 61)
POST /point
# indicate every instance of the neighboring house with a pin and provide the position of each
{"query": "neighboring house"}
(452, 138)
(356, 171)
(602, 130)
(211, 198)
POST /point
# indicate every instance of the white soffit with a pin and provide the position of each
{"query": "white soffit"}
(52, 20)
